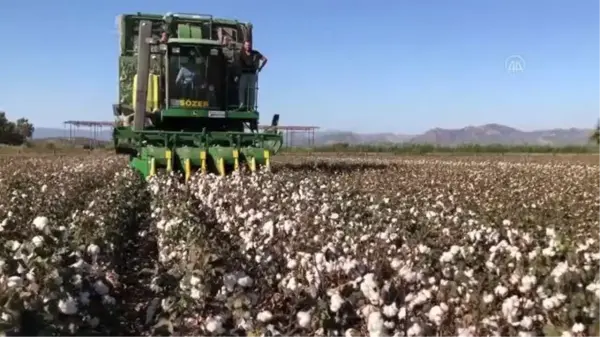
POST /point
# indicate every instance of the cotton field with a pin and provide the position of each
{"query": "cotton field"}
(320, 246)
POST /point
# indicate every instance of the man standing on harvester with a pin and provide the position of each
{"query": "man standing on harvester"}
(251, 63)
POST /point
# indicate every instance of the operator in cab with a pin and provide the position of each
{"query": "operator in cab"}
(188, 75)
(251, 63)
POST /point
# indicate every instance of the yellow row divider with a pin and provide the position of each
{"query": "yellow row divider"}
(152, 167)
(203, 162)
(168, 156)
(252, 164)
(221, 166)
(187, 168)
(236, 161)
(267, 159)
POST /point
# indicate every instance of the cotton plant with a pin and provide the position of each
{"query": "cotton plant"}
(52, 274)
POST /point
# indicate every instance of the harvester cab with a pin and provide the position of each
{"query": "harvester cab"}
(184, 114)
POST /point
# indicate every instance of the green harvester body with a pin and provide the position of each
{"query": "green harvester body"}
(192, 123)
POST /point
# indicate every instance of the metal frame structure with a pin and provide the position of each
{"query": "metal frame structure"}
(96, 127)
(290, 131)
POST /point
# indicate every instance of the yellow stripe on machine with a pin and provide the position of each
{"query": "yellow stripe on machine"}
(152, 97)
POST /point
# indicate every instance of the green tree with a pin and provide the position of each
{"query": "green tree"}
(595, 137)
(14, 133)
(24, 128)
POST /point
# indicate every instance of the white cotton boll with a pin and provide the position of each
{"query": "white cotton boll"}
(578, 328)
(335, 303)
(93, 249)
(303, 318)
(195, 293)
(292, 284)
(526, 322)
(407, 274)
(370, 288)
(68, 306)
(500, 290)
(31, 275)
(13, 245)
(402, 313)
(229, 280)
(527, 283)
(214, 325)
(414, 330)
(100, 288)
(566, 333)
(194, 281)
(264, 316)
(396, 263)
(488, 298)
(38, 241)
(390, 310)
(352, 333)
(525, 334)
(510, 308)
(436, 315)
(292, 264)
(375, 324)
(245, 281)
(446, 257)
(40, 222)
(423, 249)
(14, 282)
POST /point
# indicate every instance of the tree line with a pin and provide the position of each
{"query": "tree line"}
(465, 148)
(14, 133)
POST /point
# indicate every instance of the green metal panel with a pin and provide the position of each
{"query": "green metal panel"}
(183, 31)
(141, 165)
(195, 32)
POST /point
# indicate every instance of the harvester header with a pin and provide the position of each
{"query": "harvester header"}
(178, 106)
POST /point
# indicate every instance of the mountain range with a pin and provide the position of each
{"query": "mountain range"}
(483, 134)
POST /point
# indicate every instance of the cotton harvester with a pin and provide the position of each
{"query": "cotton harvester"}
(166, 123)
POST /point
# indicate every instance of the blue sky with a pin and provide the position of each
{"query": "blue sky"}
(366, 66)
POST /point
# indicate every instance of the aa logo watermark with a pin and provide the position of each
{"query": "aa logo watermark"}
(514, 64)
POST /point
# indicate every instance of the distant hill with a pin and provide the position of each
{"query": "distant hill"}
(484, 134)
(501, 134)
